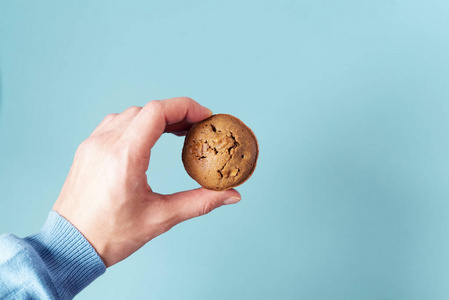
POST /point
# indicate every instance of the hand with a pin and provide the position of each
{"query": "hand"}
(106, 195)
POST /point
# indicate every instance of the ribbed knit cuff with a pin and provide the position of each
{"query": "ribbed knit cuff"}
(70, 259)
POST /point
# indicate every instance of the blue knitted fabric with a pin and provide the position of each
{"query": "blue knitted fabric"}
(55, 263)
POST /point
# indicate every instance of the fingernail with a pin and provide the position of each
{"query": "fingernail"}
(231, 200)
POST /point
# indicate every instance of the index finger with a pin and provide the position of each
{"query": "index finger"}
(156, 116)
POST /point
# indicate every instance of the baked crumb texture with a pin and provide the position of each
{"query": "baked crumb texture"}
(220, 152)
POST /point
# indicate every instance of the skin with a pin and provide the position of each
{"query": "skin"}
(106, 195)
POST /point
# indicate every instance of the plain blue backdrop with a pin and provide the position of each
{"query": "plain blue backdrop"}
(350, 103)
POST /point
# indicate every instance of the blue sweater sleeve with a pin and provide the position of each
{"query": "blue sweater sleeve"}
(55, 263)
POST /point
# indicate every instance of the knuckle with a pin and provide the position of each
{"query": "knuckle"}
(133, 109)
(154, 105)
(86, 146)
(188, 99)
(206, 208)
(109, 117)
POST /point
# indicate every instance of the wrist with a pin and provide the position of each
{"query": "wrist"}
(71, 260)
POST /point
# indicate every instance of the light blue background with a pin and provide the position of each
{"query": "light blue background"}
(349, 101)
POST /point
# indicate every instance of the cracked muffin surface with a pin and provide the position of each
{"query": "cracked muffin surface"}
(220, 152)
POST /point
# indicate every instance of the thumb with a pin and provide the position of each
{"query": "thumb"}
(194, 203)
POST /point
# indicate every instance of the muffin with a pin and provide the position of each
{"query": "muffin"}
(220, 152)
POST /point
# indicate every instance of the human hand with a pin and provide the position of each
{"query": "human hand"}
(106, 195)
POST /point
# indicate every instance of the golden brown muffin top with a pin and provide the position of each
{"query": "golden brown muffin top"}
(220, 152)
